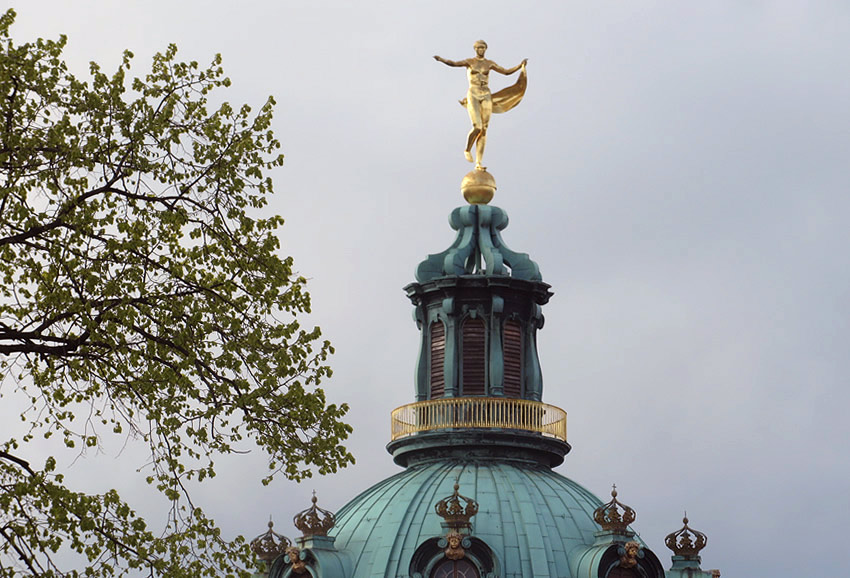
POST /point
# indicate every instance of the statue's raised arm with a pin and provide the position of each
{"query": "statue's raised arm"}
(479, 102)
(501, 70)
(450, 62)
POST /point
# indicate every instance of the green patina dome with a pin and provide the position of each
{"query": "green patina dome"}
(533, 518)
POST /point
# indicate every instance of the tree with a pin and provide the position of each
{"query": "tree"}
(143, 296)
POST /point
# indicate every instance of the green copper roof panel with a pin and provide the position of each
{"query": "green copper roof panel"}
(528, 515)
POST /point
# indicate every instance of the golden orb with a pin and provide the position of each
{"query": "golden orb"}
(478, 187)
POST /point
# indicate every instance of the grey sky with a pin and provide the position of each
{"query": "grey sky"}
(679, 170)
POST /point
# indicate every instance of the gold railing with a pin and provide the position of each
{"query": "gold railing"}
(479, 412)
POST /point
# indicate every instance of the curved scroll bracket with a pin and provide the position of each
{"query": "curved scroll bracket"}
(478, 239)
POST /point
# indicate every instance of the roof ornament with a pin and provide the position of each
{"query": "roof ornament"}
(479, 186)
(314, 521)
(296, 557)
(629, 554)
(456, 509)
(614, 516)
(455, 545)
(270, 545)
(478, 239)
(686, 542)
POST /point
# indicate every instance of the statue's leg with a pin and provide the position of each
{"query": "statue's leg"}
(470, 140)
(486, 110)
(473, 107)
(479, 149)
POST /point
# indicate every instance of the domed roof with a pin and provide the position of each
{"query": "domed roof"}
(478, 495)
(529, 516)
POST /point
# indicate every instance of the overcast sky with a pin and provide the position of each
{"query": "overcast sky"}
(680, 172)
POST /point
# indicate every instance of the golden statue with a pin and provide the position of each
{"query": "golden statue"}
(479, 102)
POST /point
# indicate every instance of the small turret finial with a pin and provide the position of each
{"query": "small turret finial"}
(456, 510)
(614, 515)
(269, 545)
(686, 542)
(314, 521)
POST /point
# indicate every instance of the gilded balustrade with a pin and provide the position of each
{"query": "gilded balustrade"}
(479, 412)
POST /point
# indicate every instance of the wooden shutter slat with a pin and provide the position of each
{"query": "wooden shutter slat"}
(438, 356)
(512, 352)
(474, 357)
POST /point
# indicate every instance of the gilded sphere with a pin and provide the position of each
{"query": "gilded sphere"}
(478, 187)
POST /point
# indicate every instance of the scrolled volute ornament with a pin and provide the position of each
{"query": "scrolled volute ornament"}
(686, 542)
(269, 545)
(314, 521)
(456, 510)
(614, 516)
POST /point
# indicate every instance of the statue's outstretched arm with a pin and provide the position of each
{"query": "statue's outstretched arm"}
(501, 70)
(450, 62)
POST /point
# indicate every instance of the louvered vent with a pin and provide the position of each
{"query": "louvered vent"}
(474, 358)
(438, 355)
(512, 352)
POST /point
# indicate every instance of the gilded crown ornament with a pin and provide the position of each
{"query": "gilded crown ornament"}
(614, 515)
(686, 542)
(314, 521)
(269, 545)
(456, 509)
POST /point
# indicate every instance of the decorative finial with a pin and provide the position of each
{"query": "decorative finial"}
(455, 513)
(478, 186)
(314, 521)
(610, 517)
(269, 545)
(686, 542)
